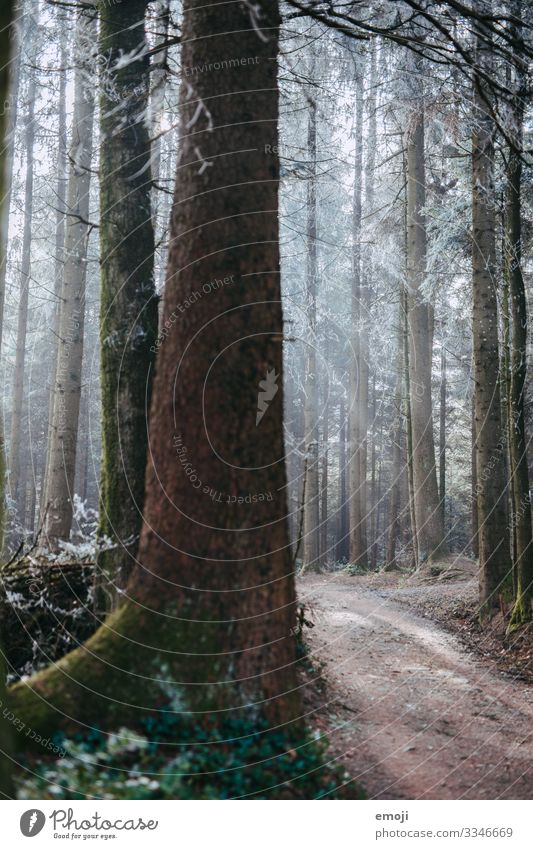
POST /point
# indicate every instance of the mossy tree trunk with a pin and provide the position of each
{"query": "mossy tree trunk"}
(208, 611)
(68, 371)
(491, 490)
(513, 267)
(128, 312)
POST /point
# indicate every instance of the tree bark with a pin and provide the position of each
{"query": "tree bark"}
(358, 372)
(311, 542)
(16, 490)
(442, 433)
(395, 493)
(513, 268)
(7, 23)
(128, 311)
(493, 533)
(207, 618)
(68, 376)
(59, 260)
(9, 123)
(430, 532)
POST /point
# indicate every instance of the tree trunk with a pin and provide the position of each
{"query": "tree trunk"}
(491, 488)
(513, 267)
(442, 433)
(311, 543)
(394, 513)
(359, 372)
(206, 622)
(17, 493)
(429, 529)
(128, 317)
(7, 17)
(9, 126)
(342, 548)
(324, 548)
(59, 260)
(67, 391)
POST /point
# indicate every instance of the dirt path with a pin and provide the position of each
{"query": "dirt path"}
(410, 712)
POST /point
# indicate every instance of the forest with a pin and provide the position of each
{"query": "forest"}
(266, 399)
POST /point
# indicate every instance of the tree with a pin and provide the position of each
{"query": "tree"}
(358, 371)
(209, 610)
(7, 22)
(59, 259)
(67, 390)
(128, 318)
(513, 270)
(429, 528)
(493, 533)
(15, 478)
(311, 546)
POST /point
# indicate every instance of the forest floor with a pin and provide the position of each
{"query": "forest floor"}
(417, 701)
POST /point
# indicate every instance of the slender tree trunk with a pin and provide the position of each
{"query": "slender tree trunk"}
(409, 430)
(7, 19)
(311, 543)
(373, 502)
(59, 260)
(206, 622)
(9, 121)
(359, 373)
(128, 311)
(442, 433)
(513, 266)
(474, 515)
(491, 487)
(430, 532)
(324, 553)
(395, 494)
(67, 392)
(17, 493)
(342, 550)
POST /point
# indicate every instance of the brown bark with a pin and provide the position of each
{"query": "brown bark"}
(493, 533)
(522, 612)
(210, 607)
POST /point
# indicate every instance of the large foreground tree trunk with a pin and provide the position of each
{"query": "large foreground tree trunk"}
(493, 532)
(208, 612)
(128, 317)
(67, 390)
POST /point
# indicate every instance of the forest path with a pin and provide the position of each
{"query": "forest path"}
(409, 711)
